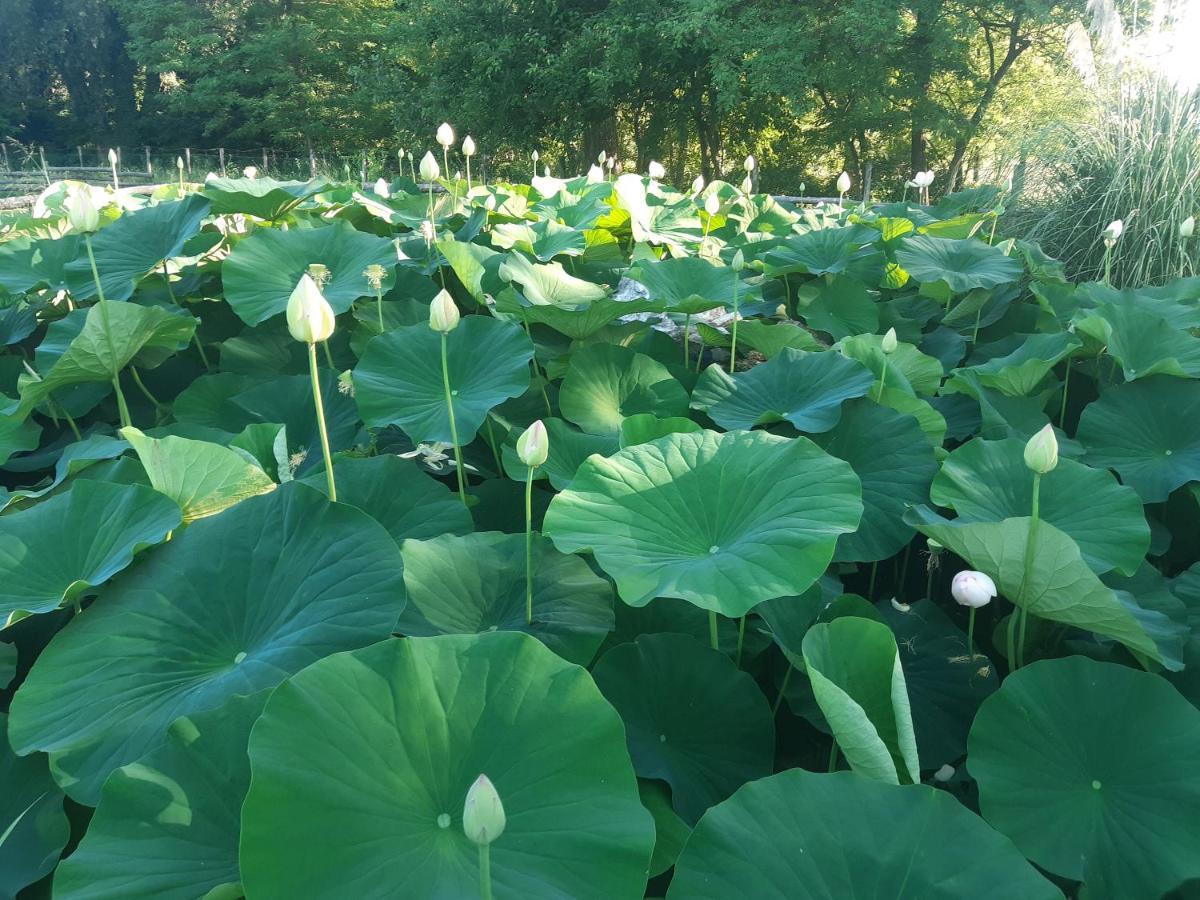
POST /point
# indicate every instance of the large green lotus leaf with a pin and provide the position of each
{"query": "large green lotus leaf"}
(907, 367)
(945, 683)
(263, 270)
(135, 244)
(17, 322)
(646, 427)
(57, 551)
(201, 477)
(550, 284)
(1142, 342)
(477, 267)
(962, 264)
(692, 284)
(74, 458)
(1019, 372)
(361, 764)
(263, 197)
(692, 719)
(858, 682)
(233, 605)
(33, 827)
(1060, 586)
(605, 383)
(805, 389)
(674, 224)
(544, 239)
(895, 465)
(824, 251)
(1116, 806)
(476, 583)
(670, 831)
(175, 811)
(398, 495)
(579, 324)
(26, 263)
(18, 432)
(288, 401)
(723, 521)
(988, 481)
(112, 335)
(399, 380)
(840, 305)
(1148, 431)
(8, 665)
(804, 836)
(769, 339)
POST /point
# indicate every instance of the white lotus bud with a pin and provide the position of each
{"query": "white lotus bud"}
(468, 147)
(712, 204)
(739, 261)
(595, 175)
(535, 156)
(458, 174)
(747, 185)
(179, 163)
(944, 774)
(843, 182)
(443, 313)
(112, 156)
(533, 446)
(1187, 227)
(250, 172)
(656, 170)
(82, 213)
(483, 813)
(750, 163)
(445, 135)
(697, 184)
(889, 342)
(1041, 453)
(1113, 232)
(429, 168)
(546, 171)
(610, 163)
(602, 158)
(382, 189)
(973, 589)
(309, 316)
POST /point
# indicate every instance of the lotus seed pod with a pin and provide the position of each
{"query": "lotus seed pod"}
(973, 589)
(429, 168)
(656, 170)
(443, 313)
(445, 135)
(82, 213)
(889, 342)
(468, 147)
(1187, 227)
(483, 813)
(533, 446)
(375, 274)
(712, 204)
(309, 316)
(1113, 232)
(843, 182)
(1041, 453)
(382, 189)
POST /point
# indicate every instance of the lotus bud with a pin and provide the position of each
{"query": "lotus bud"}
(382, 189)
(1113, 232)
(739, 261)
(843, 182)
(490, 203)
(611, 163)
(445, 135)
(533, 446)
(179, 163)
(112, 156)
(546, 171)
(458, 174)
(443, 314)
(747, 185)
(602, 158)
(82, 213)
(750, 163)
(973, 589)
(429, 168)
(535, 156)
(595, 175)
(1041, 453)
(250, 172)
(1187, 227)
(468, 147)
(889, 342)
(656, 170)
(483, 813)
(309, 317)
(698, 184)
(712, 205)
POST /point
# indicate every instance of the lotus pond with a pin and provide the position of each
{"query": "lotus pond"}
(745, 550)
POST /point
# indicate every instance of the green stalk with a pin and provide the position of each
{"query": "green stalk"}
(737, 660)
(833, 754)
(733, 345)
(379, 306)
(485, 873)
(328, 355)
(871, 583)
(122, 406)
(529, 546)
(137, 379)
(320, 408)
(687, 326)
(713, 637)
(468, 174)
(1062, 411)
(458, 463)
(787, 676)
(882, 380)
(492, 444)
(1107, 265)
(975, 333)
(1022, 614)
(971, 632)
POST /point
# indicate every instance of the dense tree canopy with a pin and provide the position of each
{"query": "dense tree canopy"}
(810, 88)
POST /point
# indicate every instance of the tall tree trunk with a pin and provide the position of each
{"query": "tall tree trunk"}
(921, 54)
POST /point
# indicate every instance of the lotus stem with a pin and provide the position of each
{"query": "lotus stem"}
(833, 754)
(485, 873)
(529, 546)
(971, 632)
(1107, 264)
(320, 408)
(122, 406)
(1030, 552)
(687, 327)
(713, 635)
(787, 676)
(468, 174)
(137, 379)
(733, 329)
(741, 636)
(328, 355)
(379, 306)
(1062, 411)
(975, 332)
(458, 463)
(882, 380)
(871, 582)
(492, 444)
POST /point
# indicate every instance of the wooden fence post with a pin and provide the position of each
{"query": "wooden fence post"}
(221, 157)
(312, 162)
(264, 168)
(149, 168)
(79, 151)
(867, 183)
(4, 148)
(187, 159)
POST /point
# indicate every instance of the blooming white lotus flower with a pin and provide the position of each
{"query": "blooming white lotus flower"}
(445, 135)
(1113, 232)
(443, 313)
(533, 446)
(843, 182)
(468, 147)
(382, 189)
(972, 589)
(656, 170)
(429, 168)
(1041, 452)
(1187, 227)
(309, 316)
(82, 213)
(595, 174)
(483, 813)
